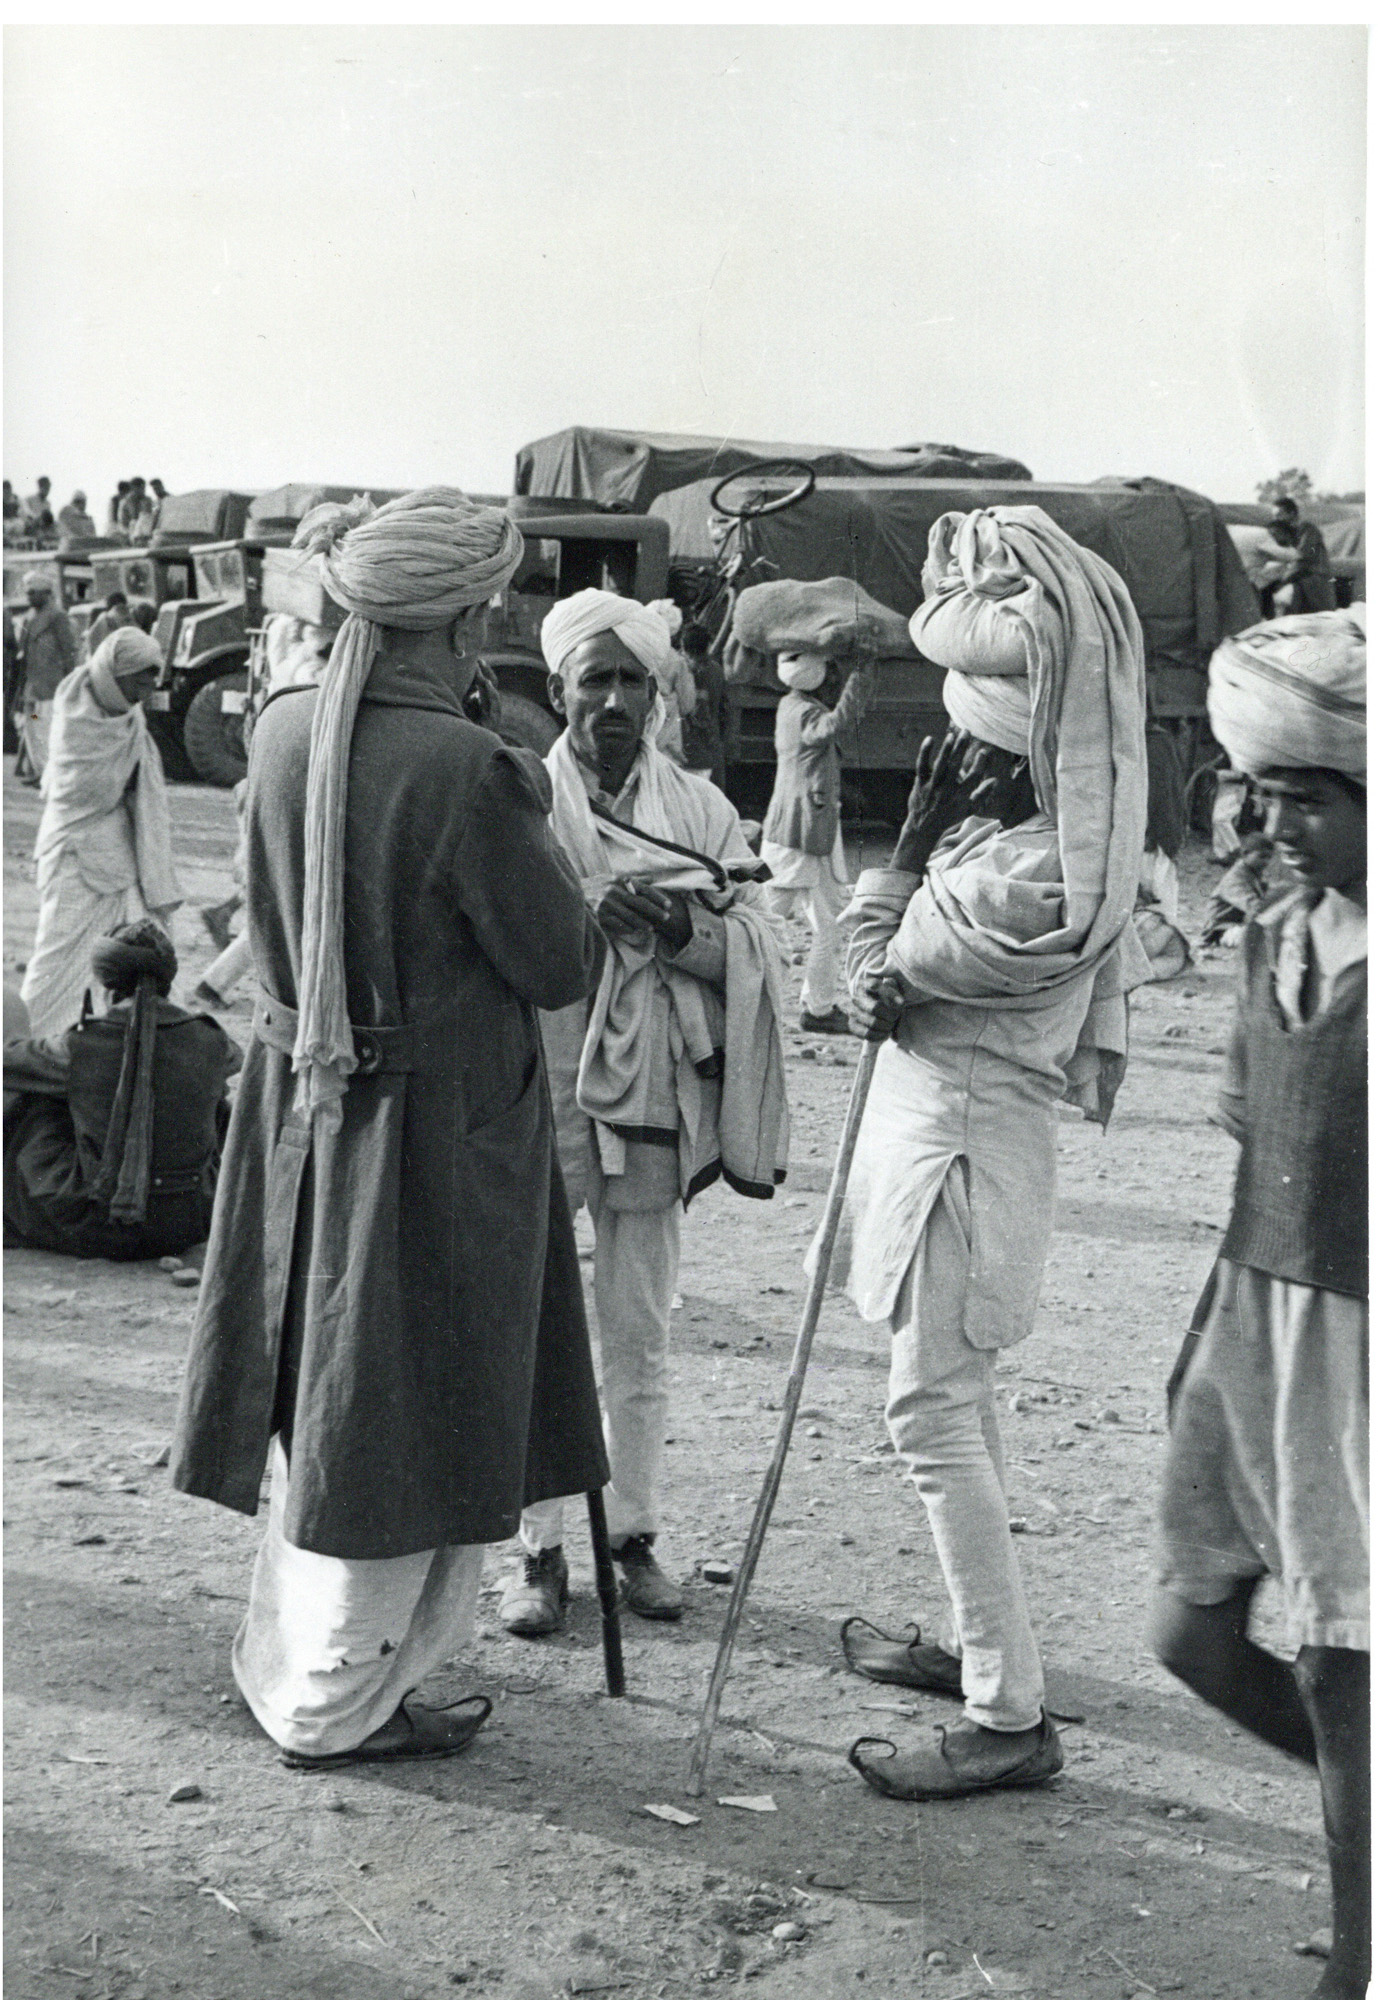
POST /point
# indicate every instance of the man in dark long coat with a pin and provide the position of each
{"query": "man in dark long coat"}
(391, 1288)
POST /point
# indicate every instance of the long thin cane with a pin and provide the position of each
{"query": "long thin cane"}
(607, 1595)
(794, 1388)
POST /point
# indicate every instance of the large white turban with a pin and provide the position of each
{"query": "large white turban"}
(802, 672)
(1291, 694)
(589, 612)
(415, 564)
(995, 707)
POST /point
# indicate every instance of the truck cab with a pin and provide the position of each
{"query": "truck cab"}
(568, 548)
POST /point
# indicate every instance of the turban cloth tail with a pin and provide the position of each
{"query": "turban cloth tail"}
(144, 952)
(415, 564)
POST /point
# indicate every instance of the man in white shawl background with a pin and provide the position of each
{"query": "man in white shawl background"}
(997, 949)
(104, 846)
(672, 1074)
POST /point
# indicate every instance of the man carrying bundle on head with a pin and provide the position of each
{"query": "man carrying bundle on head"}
(670, 1077)
(391, 1298)
(113, 1130)
(1267, 1463)
(104, 846)
(801, 839)
(997, 950)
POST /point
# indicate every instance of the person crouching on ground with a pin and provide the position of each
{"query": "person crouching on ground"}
(998, 950)
(1267, 1460)
(112, 1145)
(671, 1076)
(801, 839)
(391, 1305)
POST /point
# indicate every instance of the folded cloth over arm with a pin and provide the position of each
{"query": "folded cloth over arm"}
(730, 1109)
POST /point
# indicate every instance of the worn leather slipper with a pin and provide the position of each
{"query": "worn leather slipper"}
(963, 1760)
(408, 1733)
(913, 1662)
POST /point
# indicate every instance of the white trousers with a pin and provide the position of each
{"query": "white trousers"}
(635, 1265)
(223, 974)
(941, 1418)
(823, 902)
(328, 1648)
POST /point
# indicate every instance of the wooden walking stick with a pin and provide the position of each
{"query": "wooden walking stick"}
(607, 1595)
(794, 1388)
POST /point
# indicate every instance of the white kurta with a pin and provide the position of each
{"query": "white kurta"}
(959, 1081)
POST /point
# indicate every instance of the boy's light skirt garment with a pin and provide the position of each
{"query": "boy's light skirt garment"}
(328, 1648)
(1267, 1465)
(635, 1265)
(941, 1418)
(819, 882)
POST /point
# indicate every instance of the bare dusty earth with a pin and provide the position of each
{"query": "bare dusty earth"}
(1173, 1856)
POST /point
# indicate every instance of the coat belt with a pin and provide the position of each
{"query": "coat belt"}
(378, 1051)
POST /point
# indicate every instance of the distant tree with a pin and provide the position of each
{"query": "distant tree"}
(1291, 484)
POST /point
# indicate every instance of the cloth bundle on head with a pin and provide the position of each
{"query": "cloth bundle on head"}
(1015, 912)
(136, 960)
(802, 672)
(1292, 694)
(414, 564)
(1045, 657)
(34, 579)
(589, 612)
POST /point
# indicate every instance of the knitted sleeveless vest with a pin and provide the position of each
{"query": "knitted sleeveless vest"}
(1301, 1193)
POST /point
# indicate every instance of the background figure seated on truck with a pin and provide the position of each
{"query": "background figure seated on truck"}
(113, 1130)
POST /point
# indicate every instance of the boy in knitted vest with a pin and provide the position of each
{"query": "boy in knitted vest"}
(1268, 1458)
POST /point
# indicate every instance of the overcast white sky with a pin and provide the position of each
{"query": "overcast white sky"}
(238, 256)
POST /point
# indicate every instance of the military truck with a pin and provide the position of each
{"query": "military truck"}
(69, 577)
(207, 634)
(1170, 546)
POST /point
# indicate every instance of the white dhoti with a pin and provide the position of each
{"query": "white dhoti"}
(72, 916)
(328, 1648)
(35, 725)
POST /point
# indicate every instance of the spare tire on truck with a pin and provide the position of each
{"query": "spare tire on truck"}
(214, 739)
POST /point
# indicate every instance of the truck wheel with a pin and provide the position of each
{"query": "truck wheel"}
(523, 721)
(166, 732)
(215, 741)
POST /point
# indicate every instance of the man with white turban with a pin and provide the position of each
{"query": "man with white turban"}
(801, 840)
(997, 951)
(1267, 1469)
(391, 1307)
(104, 846)
(672, 1075)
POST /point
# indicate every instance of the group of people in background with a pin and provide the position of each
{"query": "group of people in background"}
(493, 989)
(131, 516)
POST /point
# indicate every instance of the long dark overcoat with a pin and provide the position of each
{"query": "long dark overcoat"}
(400, 1299)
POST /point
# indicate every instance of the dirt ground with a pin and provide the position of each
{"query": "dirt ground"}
(1174, 1855)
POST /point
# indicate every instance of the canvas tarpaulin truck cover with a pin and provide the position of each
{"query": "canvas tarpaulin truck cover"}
(629, 469)
(1171, 547)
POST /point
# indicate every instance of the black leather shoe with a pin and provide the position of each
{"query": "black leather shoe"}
(408, 1733)
(646, 1589)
